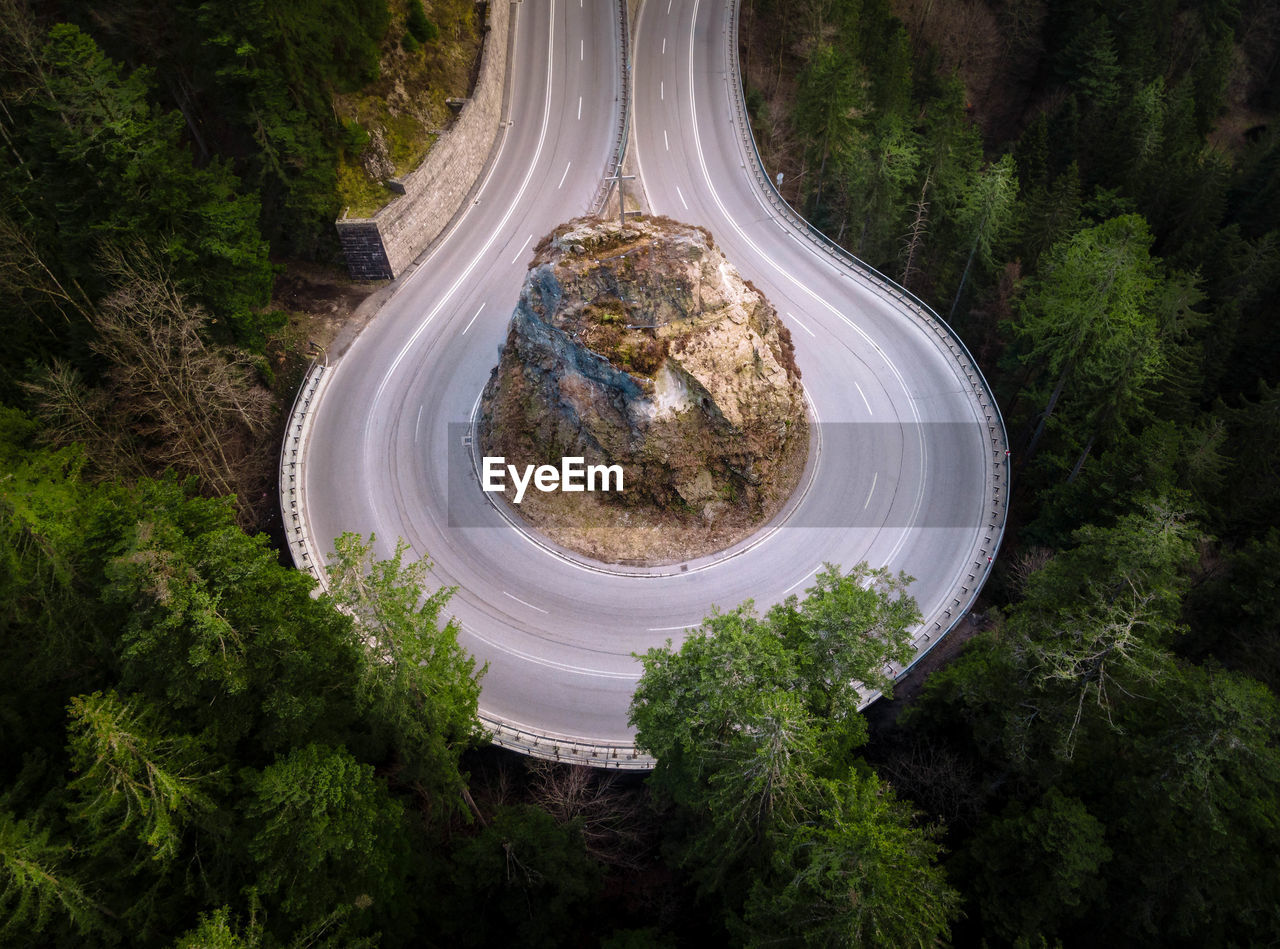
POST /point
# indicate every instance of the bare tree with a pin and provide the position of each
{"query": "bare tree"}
(1027, 562)
(937, 779)
(76, 413)
(26, 280)
(915, 235)
(613, 820)
(168, 399)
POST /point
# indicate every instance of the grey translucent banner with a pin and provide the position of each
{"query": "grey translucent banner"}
(863, 475)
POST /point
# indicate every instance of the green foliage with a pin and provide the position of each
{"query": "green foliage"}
(1235, 613)
(1167, 766)
(325, 833)
(216, 931)
(216, 713)
(161, 592)
(751, 691)
(843, 633)
(1037, 870)
(416, 22)
(37, 894)
(421, 687)
(1194, 814)
(986, 211)
(522, 873)
(1091, 65)
(857, 874)
(272, 66)
(1094, 626)
(828, 103)
(220, 632)
(124, 177)
(1121, 794)
(130, 771)
(355, 138)
(752, 722)
(1093, 324)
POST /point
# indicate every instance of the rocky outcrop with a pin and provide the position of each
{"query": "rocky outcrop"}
(644, 347)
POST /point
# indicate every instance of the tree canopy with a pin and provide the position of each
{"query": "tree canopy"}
(753, 722)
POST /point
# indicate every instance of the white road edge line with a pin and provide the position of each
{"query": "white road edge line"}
(472, 320)
(558, 187)
(864, 397)
(667, 629)
(799, 324)
(523, 603)
(550, 663)
(530, 237)
(800, 581)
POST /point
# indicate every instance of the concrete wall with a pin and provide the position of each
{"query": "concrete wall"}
(383, 246)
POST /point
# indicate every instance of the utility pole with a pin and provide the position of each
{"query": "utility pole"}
(620, 178)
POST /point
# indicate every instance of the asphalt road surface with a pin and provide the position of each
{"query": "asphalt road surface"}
(902, 474)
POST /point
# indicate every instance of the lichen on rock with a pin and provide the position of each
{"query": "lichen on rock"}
(644, 347)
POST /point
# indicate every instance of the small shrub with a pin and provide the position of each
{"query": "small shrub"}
(354, 137)
(420, 28)
(409, 44)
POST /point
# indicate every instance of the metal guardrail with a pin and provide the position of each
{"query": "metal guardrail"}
(623, 129)
(965, 592)
(620, 756)
(292, 458)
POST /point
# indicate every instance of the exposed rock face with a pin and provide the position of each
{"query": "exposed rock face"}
(644, 347)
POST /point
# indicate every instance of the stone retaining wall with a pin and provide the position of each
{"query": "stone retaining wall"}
(383, 246)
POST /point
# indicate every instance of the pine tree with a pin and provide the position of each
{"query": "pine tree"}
(421, 686)
(36, 891)
(134, 778)
(986, 213)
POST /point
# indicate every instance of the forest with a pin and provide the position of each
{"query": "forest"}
(199, 753)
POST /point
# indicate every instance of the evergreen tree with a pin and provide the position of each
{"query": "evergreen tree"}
(522, 873)
(1091, 323)
(986, 213)
(130, 772)
(856, 874)
(37, 893)
(125, 178)
(421, 687)
(1037, 870)
(753, 722)
(325, 833)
